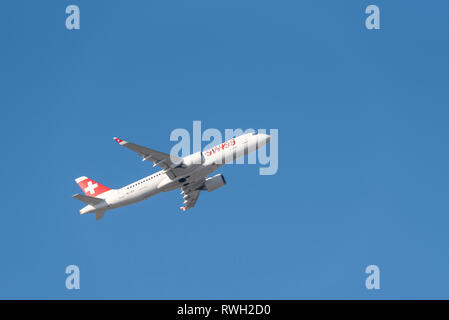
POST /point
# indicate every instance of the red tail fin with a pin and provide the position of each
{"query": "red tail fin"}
(90, 187)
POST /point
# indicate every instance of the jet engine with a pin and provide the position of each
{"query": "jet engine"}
(215, 182)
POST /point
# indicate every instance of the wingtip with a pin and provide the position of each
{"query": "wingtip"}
(183, 208)
(119, 141)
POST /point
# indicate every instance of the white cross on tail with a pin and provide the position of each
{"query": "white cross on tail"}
(91, 187)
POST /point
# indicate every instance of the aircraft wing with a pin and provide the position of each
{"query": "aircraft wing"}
(161, 159)
(191, 194)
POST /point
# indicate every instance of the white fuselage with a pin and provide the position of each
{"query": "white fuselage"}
(205, 163)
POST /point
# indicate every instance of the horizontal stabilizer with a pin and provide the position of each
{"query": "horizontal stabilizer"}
(86, 199)
(99, 214)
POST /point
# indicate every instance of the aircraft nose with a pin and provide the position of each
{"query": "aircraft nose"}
(264, 139)
(268, 138)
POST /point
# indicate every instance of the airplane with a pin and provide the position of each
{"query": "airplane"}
(190, 174)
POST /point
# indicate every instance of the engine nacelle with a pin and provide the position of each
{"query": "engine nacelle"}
(215, 182)
(195, 158)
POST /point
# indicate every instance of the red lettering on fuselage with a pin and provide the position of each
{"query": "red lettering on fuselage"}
(220, 147)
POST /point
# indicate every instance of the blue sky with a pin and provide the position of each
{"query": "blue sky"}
(363, 127)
